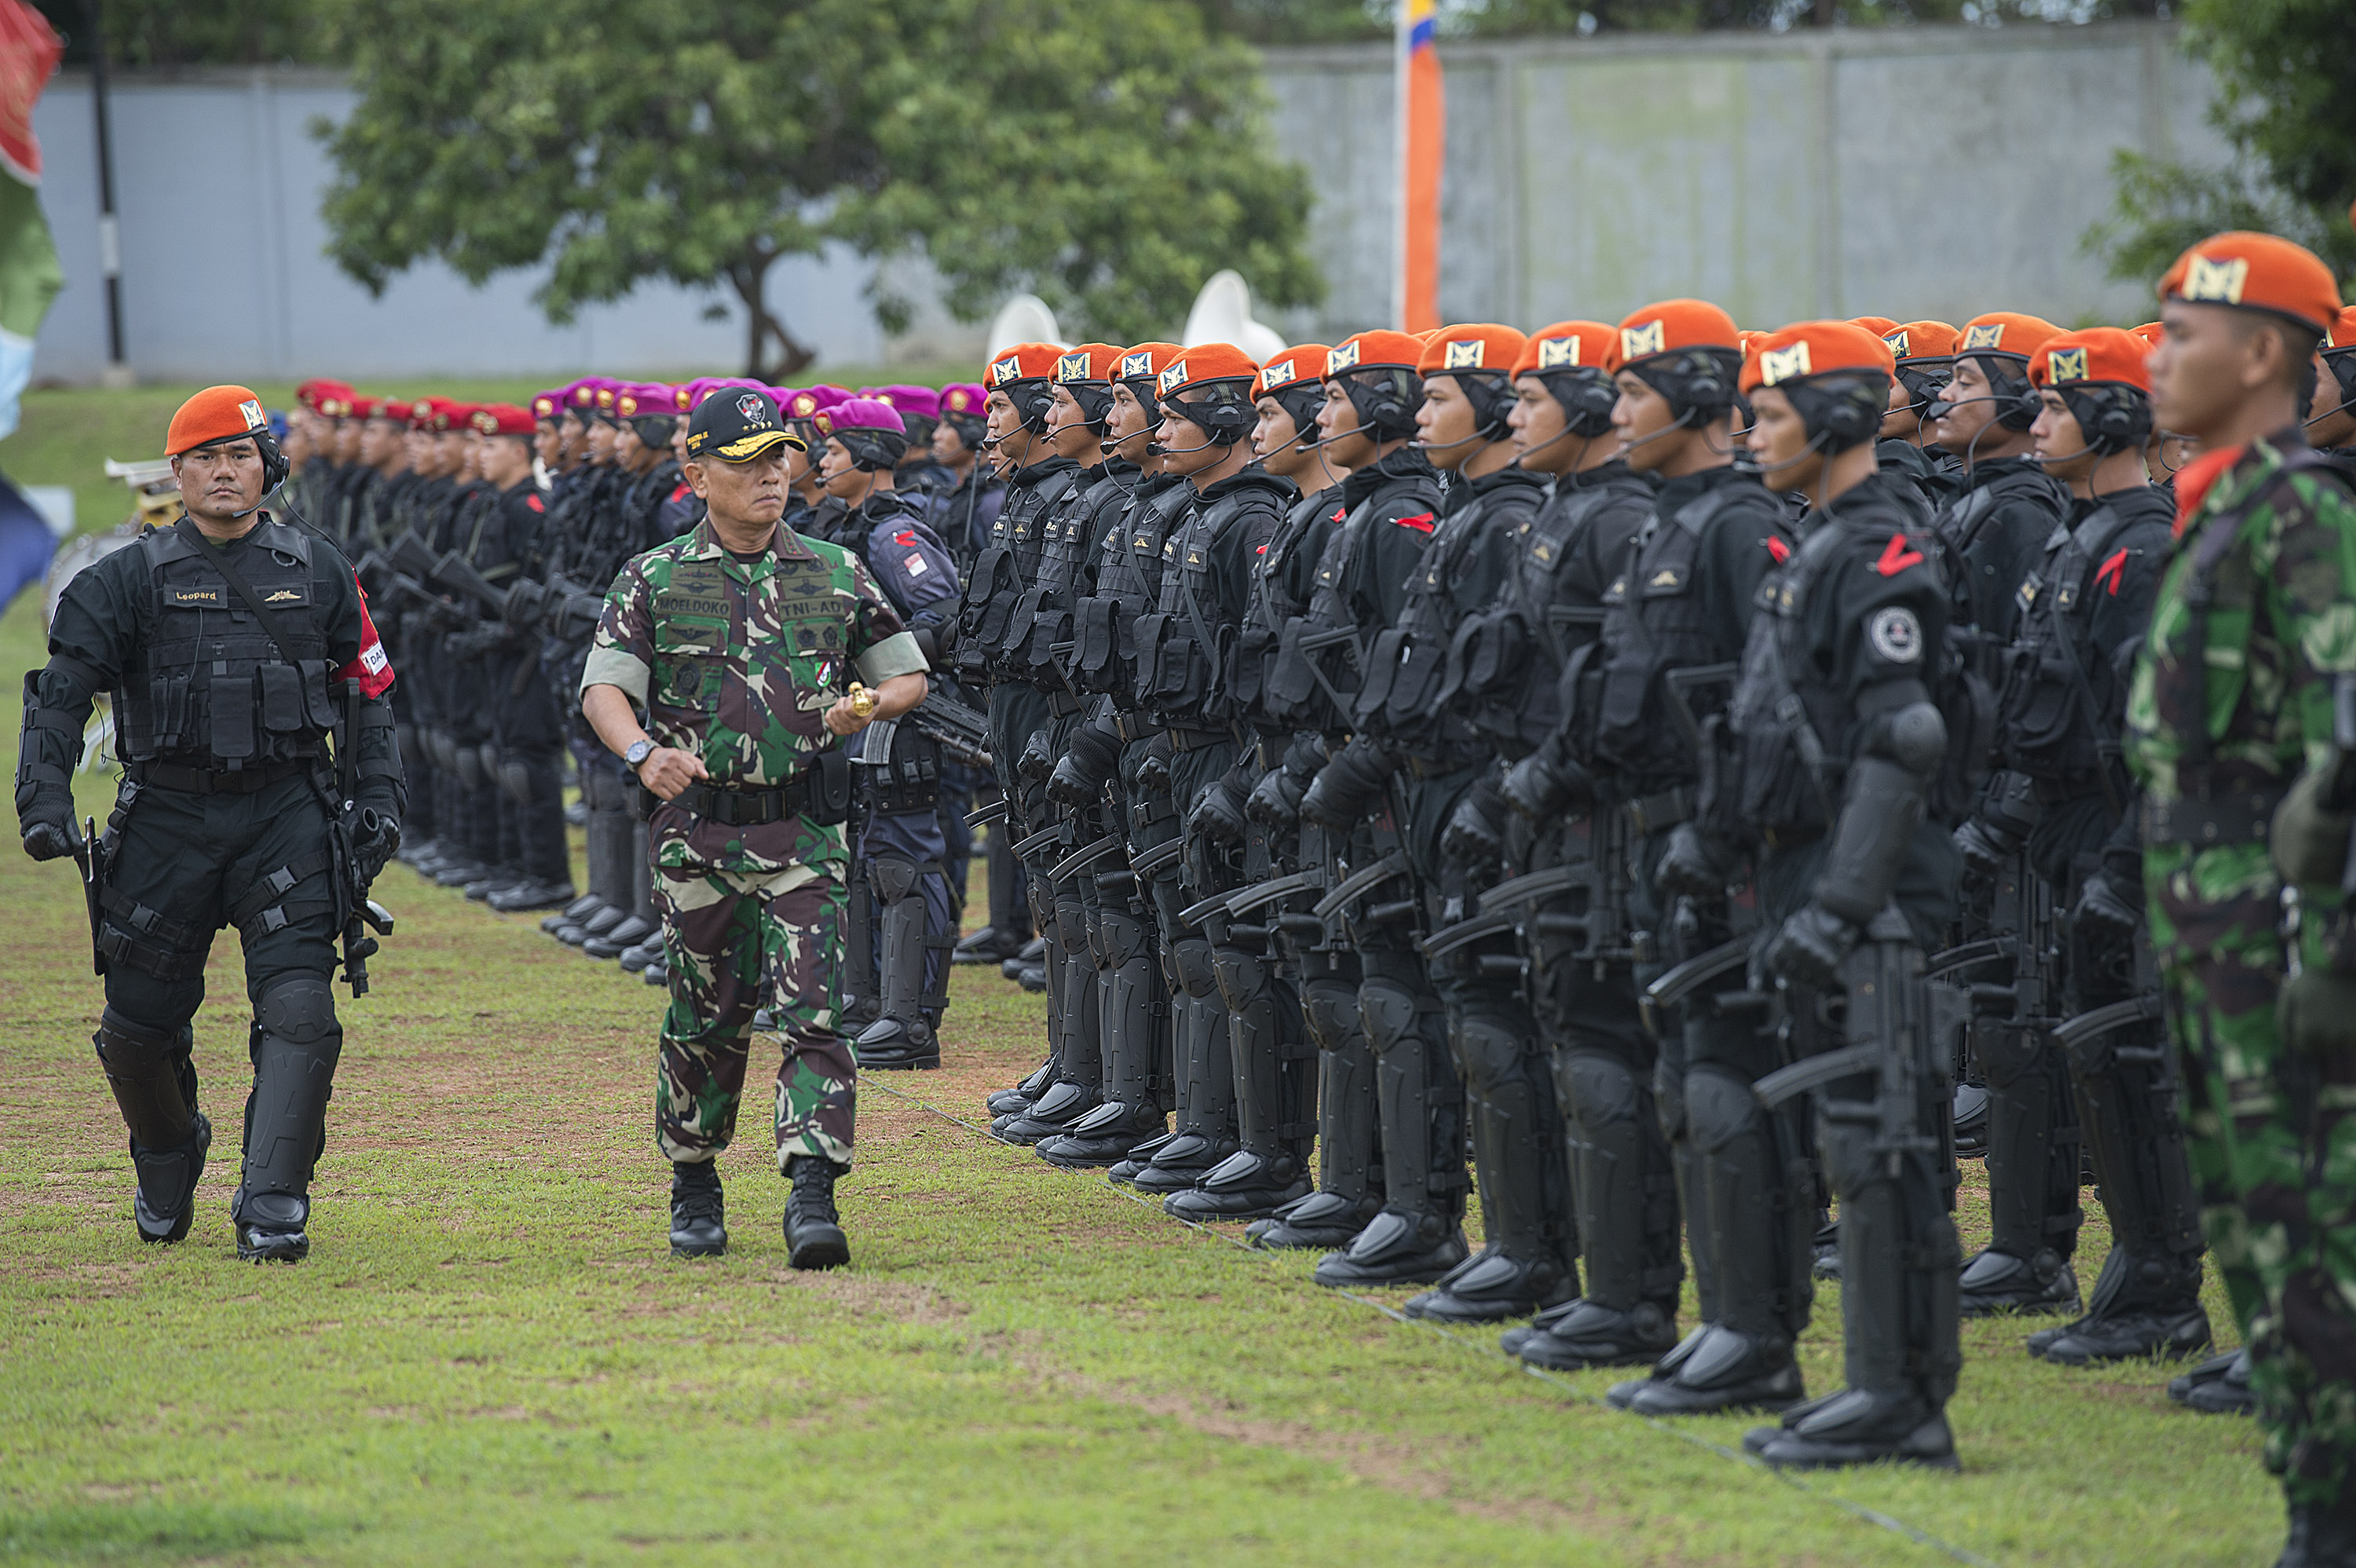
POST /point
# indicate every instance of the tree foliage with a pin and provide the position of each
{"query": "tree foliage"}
(2285, 105)
(152, 34)
(1107, 154)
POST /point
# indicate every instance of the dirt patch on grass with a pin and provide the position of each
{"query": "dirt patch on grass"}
(1420, 1470)
(867, 1296)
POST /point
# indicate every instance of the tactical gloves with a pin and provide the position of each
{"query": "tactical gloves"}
(1350, 788)
(1694, 865)
(1546, 783)
(1218, 814)
(1808, 950)
(2103, 909)
(49, 840)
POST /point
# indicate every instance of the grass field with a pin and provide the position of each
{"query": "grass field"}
(490, 1358)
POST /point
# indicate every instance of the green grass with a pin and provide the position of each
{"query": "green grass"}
(490, 1358)
(67, 433)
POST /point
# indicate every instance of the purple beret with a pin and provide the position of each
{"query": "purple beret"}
(923, 402)
(864, 413)
(802, 404)
(964, 398)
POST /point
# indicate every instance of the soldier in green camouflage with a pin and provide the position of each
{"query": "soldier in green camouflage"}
(2253, 627)
(738, 640)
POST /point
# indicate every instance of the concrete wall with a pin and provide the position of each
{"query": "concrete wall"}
(1933, 171)
(1910, 173)
(217, 183)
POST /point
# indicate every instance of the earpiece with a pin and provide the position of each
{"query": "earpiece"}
(1588, 397)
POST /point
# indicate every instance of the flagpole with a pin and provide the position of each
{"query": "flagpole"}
(1403, 116)
(110, 233)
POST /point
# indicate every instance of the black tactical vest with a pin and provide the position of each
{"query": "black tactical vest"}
(1274, 603)
(1408, 694)
(1069, 538)
(1789, 728)
(209, 689)
(1654, 623)
(1514, 666)
(1127, 581)
(1183, 648)
(989, 634)
(2063, 706)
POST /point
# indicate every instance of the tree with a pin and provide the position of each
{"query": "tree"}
(2283, 102)
(1105, 153)
(142, 34)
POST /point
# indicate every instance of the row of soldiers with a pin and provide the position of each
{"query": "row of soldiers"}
(486, 536)
(1599, 749)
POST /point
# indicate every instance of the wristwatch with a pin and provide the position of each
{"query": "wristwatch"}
(641, 750)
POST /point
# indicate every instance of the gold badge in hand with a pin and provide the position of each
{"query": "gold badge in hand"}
(863, 701)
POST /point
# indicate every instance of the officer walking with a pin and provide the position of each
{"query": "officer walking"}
(738, 639)
(234, 646)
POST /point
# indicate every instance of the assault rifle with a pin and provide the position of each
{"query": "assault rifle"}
(356, 913)
(962, 731)
(1890, 1034)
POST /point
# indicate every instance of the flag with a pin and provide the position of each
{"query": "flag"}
(29, 274)
(1422, 143)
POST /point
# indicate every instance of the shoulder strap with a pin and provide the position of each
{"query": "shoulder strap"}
(243, 589)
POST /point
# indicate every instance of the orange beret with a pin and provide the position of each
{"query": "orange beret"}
(1203, 364)
(1922, 340)
(1022, 362)
(2151, 332)
(2343, 332)
(1145, 362)
(1479, 346)
(2005, 332)
(1088, 362)
(1671, 324)
(2096, 354)
(1293, 366)
(1570, 346)
(1378, 349)
(217, 413)
(1808, 348)
(1880, 325)
(2256, 271)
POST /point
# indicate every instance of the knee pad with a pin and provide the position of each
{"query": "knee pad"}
(1719, 1107)
(892, 877)
(1197, 972)
(1602, 1089)
(443, 750)
(1331, 1010)
(489, 753)
(1849, 1162)
(1241, 975)
(468, 761)
(516, 779)
(301, 1010)
(1488, 1049)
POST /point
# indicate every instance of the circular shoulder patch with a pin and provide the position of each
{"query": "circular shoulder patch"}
(1895, 635)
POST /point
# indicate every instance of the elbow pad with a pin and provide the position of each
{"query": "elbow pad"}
(1885, 805)
(1910, 731)
(928, 644)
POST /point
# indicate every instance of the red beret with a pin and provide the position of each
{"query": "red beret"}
(217, 413)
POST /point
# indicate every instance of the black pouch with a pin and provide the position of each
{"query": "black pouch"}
(1098, 657)
(1414, 685)
(827, 783)
(281, 698)
(315, 695)
(230, 701)
(1382, 671)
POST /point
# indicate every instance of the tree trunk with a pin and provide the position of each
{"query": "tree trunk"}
(763, 331)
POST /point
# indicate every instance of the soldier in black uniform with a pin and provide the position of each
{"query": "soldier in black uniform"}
(1995, 533)
(1452, 830)
(1102, 768)
(1241, 1086)
(2331, 415)
(234, 646)
(990, 637)
(1838, 774)
(2062, 707)
(900, 931)
(1393, 494)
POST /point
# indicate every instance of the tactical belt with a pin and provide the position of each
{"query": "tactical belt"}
(1650, 813)
(1133, 727)
(743, 807)
(2238, 819)
(212, 781)
(1186, 740)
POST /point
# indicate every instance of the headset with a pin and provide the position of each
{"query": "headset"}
(1587, 396)
(2111, 418)
(1301, 399)
(1226, 413)
(2016, 401)
(1386, 397)
(872, 451)
(1035, 400)
(1697, 381)
(1844, 408)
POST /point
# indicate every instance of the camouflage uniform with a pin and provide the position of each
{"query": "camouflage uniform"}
(737, 662)
(2258, 607)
